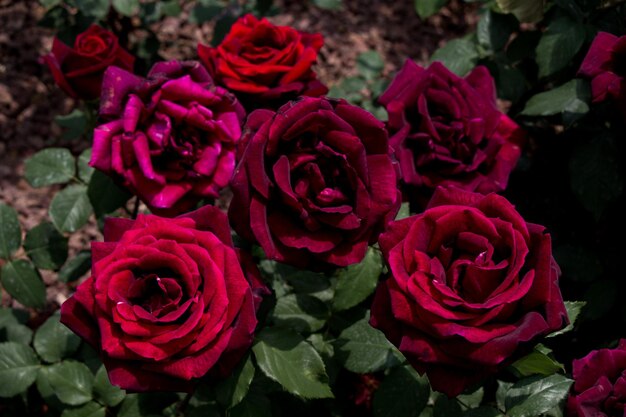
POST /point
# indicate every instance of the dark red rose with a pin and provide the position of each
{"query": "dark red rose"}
(471, 286)
(170, 138)
(79, 70)
(316, 184)
(447, 130)
(263, 64)
(167, 302)
(605, 65)
(599, 388)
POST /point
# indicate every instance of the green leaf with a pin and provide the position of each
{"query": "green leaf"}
(126, 7)
(301, 312)
(534, 396)
(23, 282)
(146, 404)
(204, 12)
(328, 4)
(48, 4)
(104, 195)
(222, 27)
(356, 282)
(503, 388)
(53, 341)
(18, 368)
(72, 382)
(404, 212)
(402, 393)
(84, 170)
(369, 64)
(45, 246)
(74, 124)
(510, 82)
(446, 407)
(286, 358)
(231, 391)
(75, 267)
(427, 8)
(70, 208)
(573, 311)
(17, 333)
(483, 411)
(10, 231)
(96, 8)
(571, 97)
(526, 11)
(46, 391)
(10, 316)
(538, 362)
(91, 409)
(495, 29)
(458, 55)
(49, 166)
(104, 392)
(253, 405)
(596, 175)
(558, 45)
(363, 349)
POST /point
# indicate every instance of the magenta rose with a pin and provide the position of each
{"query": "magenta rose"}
(605, 65)
(316, 184)
(79, 70)
(447, 130)
(170, 138)
(599, 388)
(471, 286)
(169, 301)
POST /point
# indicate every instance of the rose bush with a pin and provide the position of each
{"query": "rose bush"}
(170, 138)
(471, 284)
(168, 301)
(316, 184)
(447, 130)
(263, 64)
(79, 70)
(599, 384)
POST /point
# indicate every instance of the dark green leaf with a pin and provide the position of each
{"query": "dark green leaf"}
(45, 246)
(70, 208)
(84, 170)
(126, 7)
(534, 396)
(503, 388)
(458, 55)
(427, 8)
(18, 368)
(573, 311)
(301, 312)
(46, 391)
(447, 407)
(231, 391)
(558, 45)
(75, 267)
(72, 382)
(404, 211)
(74, 124)
(369, 64)
(204, 12)
(286, 358)
(402, 393)
(146, 404)
(538, 362)
(10, 231)
(10, 316)
(527, 11)
(16, 333)
(49, 166)
(49, 3)
(96, 8)
(104, 392)
(596, 175)
(222, 27)
(91, 409)
(53, 341)
(363, 349)
(495, 29)
(23, 282)
(328, 4)
(356, 282)
(105, 196)
(483, 411)
(254, 405)
(571, 97)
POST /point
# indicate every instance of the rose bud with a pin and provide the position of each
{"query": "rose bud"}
(471, 287)
(316, 184)
(169, 301)
(263, 64)
(170, 138)
(79, 70)
(599, 384)
(447, 130)
(605, 65)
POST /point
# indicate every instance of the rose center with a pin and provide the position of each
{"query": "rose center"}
(92, 45)
(156, 294)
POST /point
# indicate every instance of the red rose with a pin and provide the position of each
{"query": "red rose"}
(169, 138)
(316, 183)
(168, 301)
(263, 64)
(79, 70)
(472, 284)
(599, 384)
(605, 64)
(447, 130)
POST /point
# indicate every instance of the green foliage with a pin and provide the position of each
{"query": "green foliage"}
(71, 381)
(53, 341)
(46, 247)
(458, 55)
(10, 231)
(75, 267)
(571, 97)
(328, 4)
(74, 124)
(18, 368)
(50, 166)
(104, 195)
(104, 392)
(573, 311)
(23, 282)
(357, 282)
(539, 361)
(427, 8)
(559, 44)
(234, 389)
(402, 393)
(70, 208)
(525, 10)
(536, 395)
